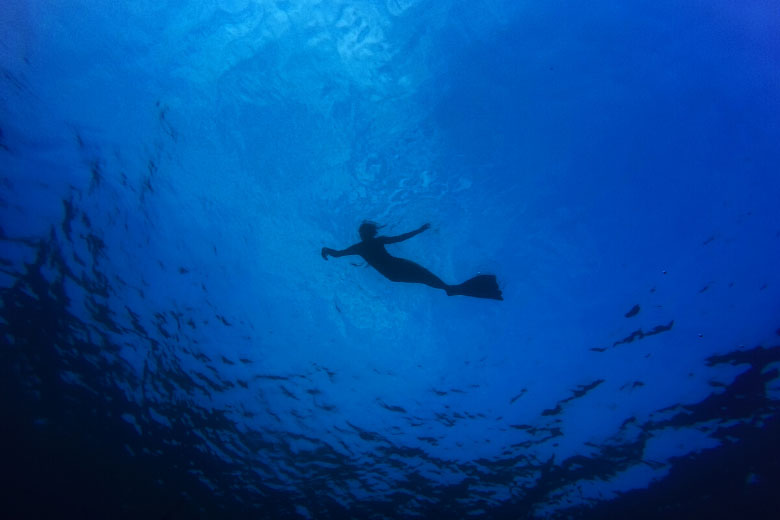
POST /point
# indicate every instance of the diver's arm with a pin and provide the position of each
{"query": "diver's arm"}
(405, 236)
(351, 250)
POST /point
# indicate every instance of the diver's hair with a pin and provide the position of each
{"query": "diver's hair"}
(368, 228)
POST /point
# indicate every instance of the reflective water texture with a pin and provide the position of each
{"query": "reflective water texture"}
(174, 345)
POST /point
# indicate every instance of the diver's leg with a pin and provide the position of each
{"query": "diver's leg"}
(410, 272)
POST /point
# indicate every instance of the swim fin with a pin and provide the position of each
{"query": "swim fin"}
(482, 286)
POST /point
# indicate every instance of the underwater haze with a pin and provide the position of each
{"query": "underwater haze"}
(173, 345)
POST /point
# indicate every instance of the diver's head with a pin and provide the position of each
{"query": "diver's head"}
(367, 230)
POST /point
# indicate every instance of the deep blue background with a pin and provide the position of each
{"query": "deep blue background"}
(174, 346)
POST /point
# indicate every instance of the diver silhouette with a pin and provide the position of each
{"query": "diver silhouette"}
(372, 249)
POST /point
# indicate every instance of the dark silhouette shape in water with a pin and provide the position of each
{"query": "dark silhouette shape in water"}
(372, 249)
(633, 312)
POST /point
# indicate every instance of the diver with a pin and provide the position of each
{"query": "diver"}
(372, 249)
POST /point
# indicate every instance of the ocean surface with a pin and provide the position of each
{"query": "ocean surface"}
(173, 345)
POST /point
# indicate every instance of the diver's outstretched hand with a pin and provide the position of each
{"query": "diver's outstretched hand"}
(325, 252)
(425, 226)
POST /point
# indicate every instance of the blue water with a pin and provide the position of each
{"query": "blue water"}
(174, 346)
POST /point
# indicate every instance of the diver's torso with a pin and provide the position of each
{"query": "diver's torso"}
(374, 252)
